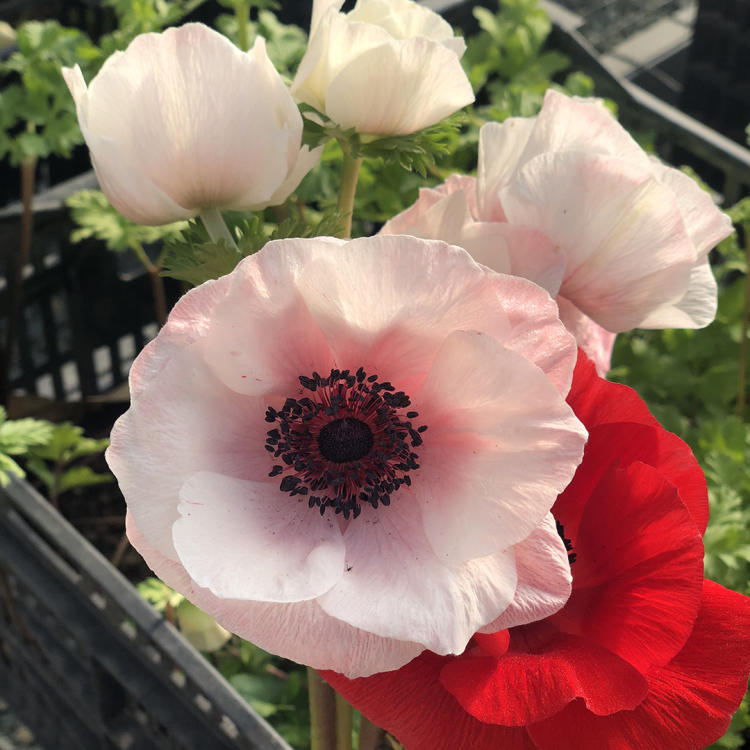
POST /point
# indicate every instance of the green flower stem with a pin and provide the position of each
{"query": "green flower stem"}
(344, 720)
(215, 226)
(242, 14)
(742, 377)
(370, 735)
(322, 712)
(349, 175)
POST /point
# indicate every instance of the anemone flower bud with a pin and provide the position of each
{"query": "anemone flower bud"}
(184, 121)
(388, 67)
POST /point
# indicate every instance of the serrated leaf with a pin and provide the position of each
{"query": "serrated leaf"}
(9, 467)
(18, 435)
(96, 217)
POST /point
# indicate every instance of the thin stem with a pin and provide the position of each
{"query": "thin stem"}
(215, 226)
(242, 14)
(15, 275)
(742, 377)
(349, 175)
(370, 735)
(344, 720)
(157, 283)
(322, 712)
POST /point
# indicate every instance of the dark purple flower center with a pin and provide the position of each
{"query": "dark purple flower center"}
(347, 442)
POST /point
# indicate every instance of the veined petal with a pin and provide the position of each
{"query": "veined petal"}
(502, 445)
(634, 254)
(391, 568)
(285, 628)
(273, 549)
(696, 309)
(432, 85)
(543, 578)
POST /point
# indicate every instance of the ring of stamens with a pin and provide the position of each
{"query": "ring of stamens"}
(346, 442)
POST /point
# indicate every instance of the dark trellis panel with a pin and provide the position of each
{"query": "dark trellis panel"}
(88, 664)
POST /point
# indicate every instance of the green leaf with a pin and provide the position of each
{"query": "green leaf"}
(97, 218)
(82, 476)
(158, 594)
(18, 435)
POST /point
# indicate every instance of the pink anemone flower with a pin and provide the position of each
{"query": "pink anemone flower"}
(346, 452)
(569, 200)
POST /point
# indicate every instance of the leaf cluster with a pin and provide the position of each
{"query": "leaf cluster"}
(17, 438)
(59, 462)
(96, 217)
(193, 257)
(37, 114)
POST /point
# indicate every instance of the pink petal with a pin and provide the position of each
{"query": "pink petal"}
(696, 309)
(262, 336)
(273, 547)
(396, 587)
(500, 149)
(596, 341)
(705, 224)
(285, 629)
(543, 578)
(501, 445)
(185, 421)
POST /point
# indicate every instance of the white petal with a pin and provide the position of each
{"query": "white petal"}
(500, 149)
(705, 224)
(501, 445)
(396, 587)
(574, 124)
(431, 86)
(134, 195)
(249, 540)
(621, 231)
(299, 631)
(696, 309)
(167, 103)
(544, 579)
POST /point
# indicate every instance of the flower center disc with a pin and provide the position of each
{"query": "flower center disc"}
(348, 441)
(345, 440)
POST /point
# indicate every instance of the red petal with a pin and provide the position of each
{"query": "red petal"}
(622, 444)
(493, 644)
(413, 706)
(639, 569)
(690, 701)
(597, 401)
(521, 688)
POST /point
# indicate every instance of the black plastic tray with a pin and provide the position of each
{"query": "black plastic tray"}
(88, 664)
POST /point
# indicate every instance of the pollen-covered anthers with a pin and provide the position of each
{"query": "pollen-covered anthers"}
(348, 442)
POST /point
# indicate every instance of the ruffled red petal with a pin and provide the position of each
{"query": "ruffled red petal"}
(413, 705)
(691, 700)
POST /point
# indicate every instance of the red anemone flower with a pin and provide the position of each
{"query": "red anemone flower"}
(645, 654)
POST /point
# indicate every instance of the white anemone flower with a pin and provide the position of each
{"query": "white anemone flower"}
(388, 67)
(183, 121)
(347, 451)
